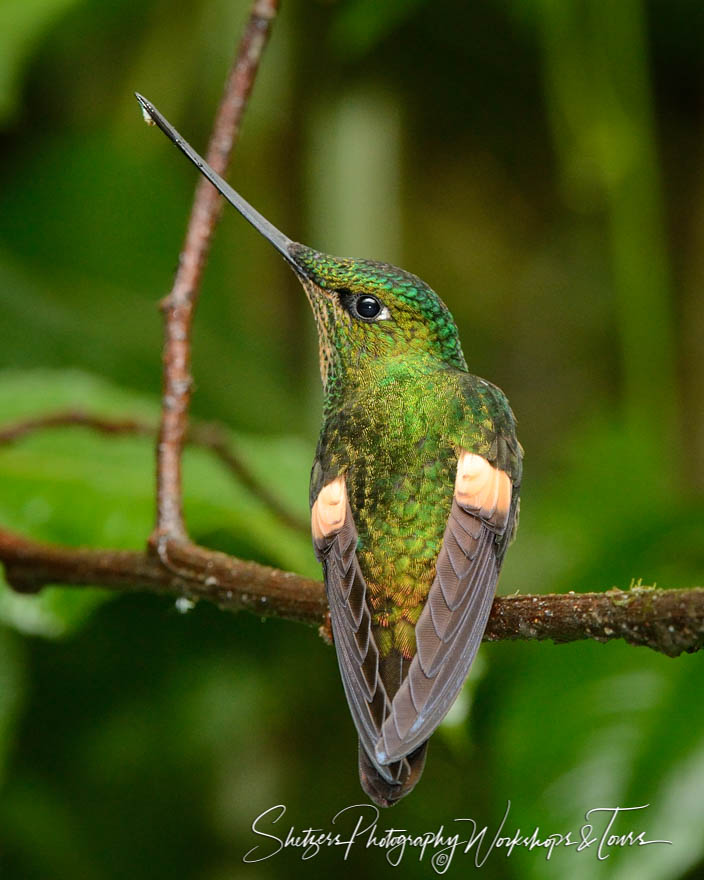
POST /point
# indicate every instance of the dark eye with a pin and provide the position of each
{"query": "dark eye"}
(367, 306)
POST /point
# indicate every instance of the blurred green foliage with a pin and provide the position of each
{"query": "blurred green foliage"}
(539, 164)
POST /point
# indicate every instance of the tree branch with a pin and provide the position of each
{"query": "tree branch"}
(193, 571)
(179, 305)
(669, 621)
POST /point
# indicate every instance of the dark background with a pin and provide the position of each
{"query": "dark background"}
(540, 164)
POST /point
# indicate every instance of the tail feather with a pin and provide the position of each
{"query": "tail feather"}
(386, 794)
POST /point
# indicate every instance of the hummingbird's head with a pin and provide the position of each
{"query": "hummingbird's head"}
(368, 313)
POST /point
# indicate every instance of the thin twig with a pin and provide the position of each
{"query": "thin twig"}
(208, 435)
(669, 621)
(180, 304)
(15, 431)
(211, 436)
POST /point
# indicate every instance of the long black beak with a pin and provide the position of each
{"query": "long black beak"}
(281, 242)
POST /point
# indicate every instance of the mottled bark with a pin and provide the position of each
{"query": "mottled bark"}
(669, 621)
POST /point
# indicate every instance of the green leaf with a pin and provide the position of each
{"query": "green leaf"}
(78, 488)
(585, 726)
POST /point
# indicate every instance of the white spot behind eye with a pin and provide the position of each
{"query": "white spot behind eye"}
(384, 314)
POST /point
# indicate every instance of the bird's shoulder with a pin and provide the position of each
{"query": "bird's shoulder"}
(486, 425)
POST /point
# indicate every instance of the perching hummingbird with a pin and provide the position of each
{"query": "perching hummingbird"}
(413, 494)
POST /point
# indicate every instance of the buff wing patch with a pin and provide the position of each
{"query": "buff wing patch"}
(483, 489)
(328, 513)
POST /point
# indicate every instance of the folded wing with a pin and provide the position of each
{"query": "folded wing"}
(452, 623)
(335, 542)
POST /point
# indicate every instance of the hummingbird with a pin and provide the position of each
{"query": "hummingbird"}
(414, 494)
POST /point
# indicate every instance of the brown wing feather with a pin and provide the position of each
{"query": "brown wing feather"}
(357, 653)
(448, 634)
(452, 623)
